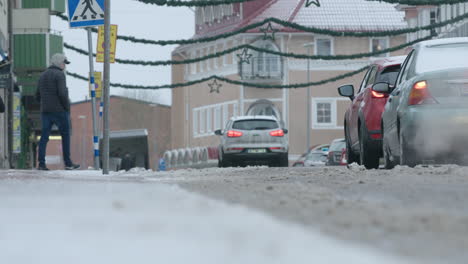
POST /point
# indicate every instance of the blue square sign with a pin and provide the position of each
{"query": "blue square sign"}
(85, 13)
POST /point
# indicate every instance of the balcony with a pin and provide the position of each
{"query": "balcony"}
(262, 69)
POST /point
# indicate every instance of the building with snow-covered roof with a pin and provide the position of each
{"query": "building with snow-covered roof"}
(198, 110)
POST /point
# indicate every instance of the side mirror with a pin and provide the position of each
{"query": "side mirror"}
(285, 130)
(347, 91)
(218, 132)
(382, 87)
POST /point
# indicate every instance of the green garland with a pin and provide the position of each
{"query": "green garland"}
(192, 3)
(283, 54)
(247, 84)
(294, 26)
(423, 2)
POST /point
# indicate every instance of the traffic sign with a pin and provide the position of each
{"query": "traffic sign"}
(85, 13)
(100, 44)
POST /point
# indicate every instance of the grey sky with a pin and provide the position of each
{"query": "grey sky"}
(133, 19)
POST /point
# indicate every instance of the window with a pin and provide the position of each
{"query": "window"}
(323, 113)
(208, 120)
(262, 65)
(255, 124)
(378, 44)
(202, 121)
(323, 46)
(195, 122)
(217, 117)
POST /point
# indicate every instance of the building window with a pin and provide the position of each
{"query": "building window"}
(217, 118)
(208, 120)
(262, 65)
(323, 46)
(378, 44)
(324, 113)
(195, 122)
(202, 121)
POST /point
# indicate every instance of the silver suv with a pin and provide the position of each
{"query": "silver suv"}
(253, 140)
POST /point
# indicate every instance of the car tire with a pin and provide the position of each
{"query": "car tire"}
(369, 157)
(351, 157)
(284, 162)
(407, 156)
(222, 162)
(388, 164)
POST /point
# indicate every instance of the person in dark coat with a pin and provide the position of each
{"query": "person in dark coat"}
(52, 93)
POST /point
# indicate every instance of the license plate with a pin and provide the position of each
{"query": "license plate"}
(256, 151)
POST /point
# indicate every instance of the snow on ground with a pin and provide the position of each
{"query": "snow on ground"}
(77, 217)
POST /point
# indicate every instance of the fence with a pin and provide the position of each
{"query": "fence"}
(198, 157)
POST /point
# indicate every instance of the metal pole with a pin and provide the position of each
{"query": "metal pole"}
(106, 90)
(309, 108)
(9, 101)
(93, 100)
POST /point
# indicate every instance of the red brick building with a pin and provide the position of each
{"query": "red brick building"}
(127, 117)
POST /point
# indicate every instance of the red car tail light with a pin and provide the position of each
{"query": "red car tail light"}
(276, 148)
(420, 95)
(344, 159)
(235, 149)
(233, 133)
(277, 133)
(378, 95)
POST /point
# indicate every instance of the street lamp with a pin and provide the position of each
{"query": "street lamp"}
(309, 103)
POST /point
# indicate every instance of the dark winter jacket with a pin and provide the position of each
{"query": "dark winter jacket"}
(2, 105)
(52, 91)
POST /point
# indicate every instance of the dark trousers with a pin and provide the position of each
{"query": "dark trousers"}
(62, 121)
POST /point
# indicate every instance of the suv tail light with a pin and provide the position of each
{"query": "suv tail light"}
(277, 133)
(420, 95)
(344, 159)
(233, 133)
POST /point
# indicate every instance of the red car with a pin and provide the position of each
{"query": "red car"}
(362, 123)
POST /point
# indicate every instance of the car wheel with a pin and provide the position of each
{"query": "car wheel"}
(388, 164)
(368, 156)
(284, 162)
(407, 156)
(350, 155)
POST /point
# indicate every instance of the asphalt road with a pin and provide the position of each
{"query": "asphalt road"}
(420, 214)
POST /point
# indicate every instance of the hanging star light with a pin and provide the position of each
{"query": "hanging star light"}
(244, 56)
(214, 87)
(312, 2)
(269, 32)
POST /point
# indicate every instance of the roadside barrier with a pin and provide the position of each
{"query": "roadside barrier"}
(197, 157)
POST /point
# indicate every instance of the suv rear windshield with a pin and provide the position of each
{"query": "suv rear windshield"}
(255, 124)
(442, 57)
(389, 75)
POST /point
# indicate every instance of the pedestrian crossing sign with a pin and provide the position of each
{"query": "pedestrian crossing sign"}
(85, 13)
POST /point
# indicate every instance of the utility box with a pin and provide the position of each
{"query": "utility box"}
(55, 6)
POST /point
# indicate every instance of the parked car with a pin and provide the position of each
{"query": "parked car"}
(316, 158)
(323, 148)
(337, 153)
(363, 117)
(426, 117)
(253, 140)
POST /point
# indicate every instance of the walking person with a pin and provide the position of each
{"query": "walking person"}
(52, 93)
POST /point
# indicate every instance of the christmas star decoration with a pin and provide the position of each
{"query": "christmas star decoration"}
(312, 2)
(244, 56)
(214, 87)
(269, 32)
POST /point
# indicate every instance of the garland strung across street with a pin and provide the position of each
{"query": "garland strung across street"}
(193, 3)
(244, 56)
(223, 79)
(294, 26)
(423, 2)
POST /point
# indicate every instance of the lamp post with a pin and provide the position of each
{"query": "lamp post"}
(309, 103)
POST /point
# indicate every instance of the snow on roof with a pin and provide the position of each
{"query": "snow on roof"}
(345, 15)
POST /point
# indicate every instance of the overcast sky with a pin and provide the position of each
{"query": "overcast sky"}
(133, 19)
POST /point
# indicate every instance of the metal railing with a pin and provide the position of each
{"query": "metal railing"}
(262, 68)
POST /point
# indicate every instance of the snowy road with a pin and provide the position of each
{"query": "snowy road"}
(245, 215)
